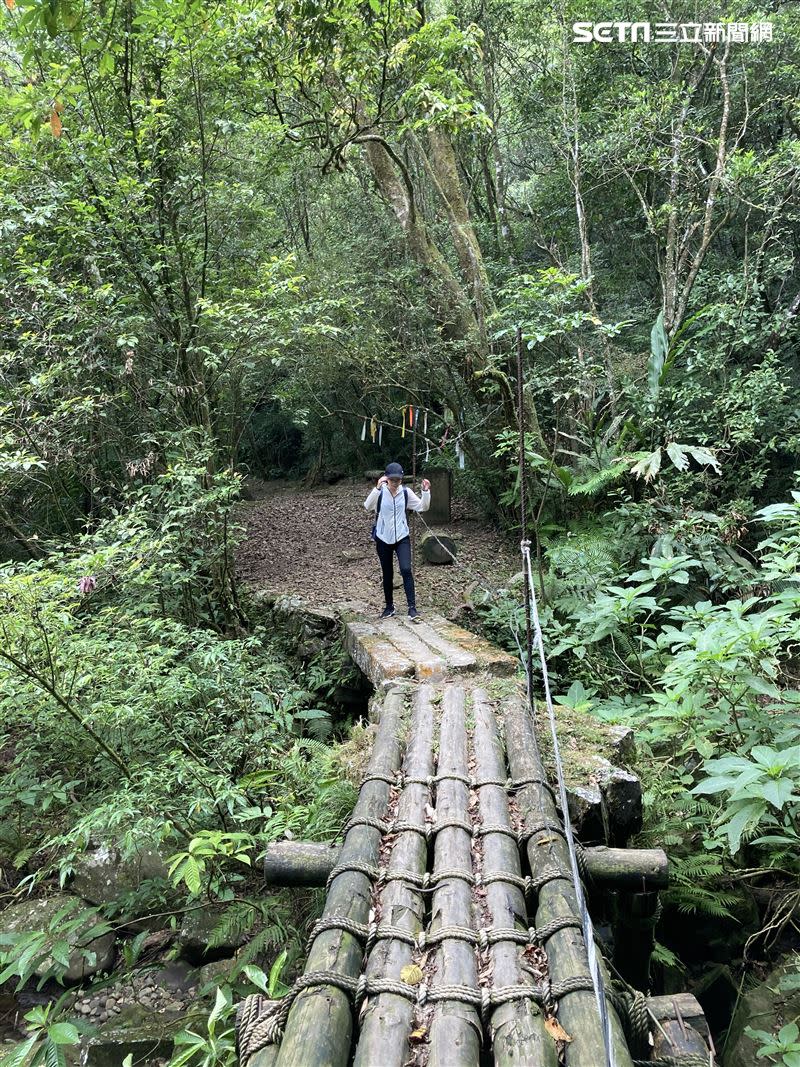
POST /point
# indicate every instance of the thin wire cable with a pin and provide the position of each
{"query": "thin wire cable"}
(586, 921)
(532, 616)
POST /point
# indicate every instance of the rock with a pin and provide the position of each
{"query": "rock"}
(622, 798)
(214, 974)
(438, 548)
(37, 914)
(623, 743)
(352, 555)
(767, 1006)
(135, 1032)
(586, 811)
(607, 810)
(176, 976)
(195, 934)
(103, 875)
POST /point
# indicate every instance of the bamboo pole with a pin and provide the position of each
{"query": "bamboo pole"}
(454, 1038)
(566, 952)
(387, 1021)
(320, 1024)
(308, 863)
(293, 863)
(638, 869)
(517, 1028)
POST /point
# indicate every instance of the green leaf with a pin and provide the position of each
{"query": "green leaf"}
(54, 1055)
(678, 456)
(704, 456)
(19, 1055)
(648, 467)
(63, 1034)
(789, 1033)
(735, 827)
(256, 976)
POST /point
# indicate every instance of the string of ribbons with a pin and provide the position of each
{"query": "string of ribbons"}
(412, 416)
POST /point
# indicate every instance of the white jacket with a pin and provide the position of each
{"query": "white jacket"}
(392, 522)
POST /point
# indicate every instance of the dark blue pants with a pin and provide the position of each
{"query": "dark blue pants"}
(385, 554)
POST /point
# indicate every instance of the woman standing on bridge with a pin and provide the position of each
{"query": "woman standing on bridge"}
(390, 503)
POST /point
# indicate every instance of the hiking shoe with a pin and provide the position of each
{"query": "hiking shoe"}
(413, 613)
(386, 613)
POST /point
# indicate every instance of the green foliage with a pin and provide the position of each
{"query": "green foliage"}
(198, 865)
(762, 791)
(784, 1044)
(48, 1035)
(47, 954)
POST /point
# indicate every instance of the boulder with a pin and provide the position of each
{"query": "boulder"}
(144, 1035)
(623, 743)
(195, 934)
(768, 1006)
(103, 875)
(608, 808)
(622, 799)
(87, 955)
(214, 974)
(438, 548)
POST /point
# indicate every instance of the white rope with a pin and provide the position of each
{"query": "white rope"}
(586, 921)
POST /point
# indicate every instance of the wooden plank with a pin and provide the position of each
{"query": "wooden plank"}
(566, 952)
(320, 1024)
(454, 1038)
(517, 1028)
(386, 1022)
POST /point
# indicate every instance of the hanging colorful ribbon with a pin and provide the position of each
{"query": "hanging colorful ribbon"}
(373, 428)
(403, 420)
(425, 423)
(364, 431)
(380, 434)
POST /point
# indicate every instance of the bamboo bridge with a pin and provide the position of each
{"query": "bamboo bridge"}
(451, 934)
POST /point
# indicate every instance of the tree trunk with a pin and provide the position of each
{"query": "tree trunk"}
(320, 1024)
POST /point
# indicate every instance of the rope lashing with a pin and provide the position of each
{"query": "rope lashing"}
(404, 827)
(379, 776)
(367, 869)
(447, 933)
(522, 783)
(692, 1060)
(361, 931)
(261, 1022)
(528, 832)
(452, 824)
(366, 820)
(482, 829)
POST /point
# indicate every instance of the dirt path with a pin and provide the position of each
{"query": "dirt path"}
(316, 543)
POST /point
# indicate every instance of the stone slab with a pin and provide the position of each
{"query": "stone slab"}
(457, 658)
(428, 665)
(489, 657)
(375, 654)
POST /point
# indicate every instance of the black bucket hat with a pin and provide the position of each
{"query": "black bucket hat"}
(393, 470)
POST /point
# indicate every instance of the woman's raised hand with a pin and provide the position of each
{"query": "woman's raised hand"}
(425, 485)
(383, 480)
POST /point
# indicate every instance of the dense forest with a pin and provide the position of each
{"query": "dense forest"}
(238, 242)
